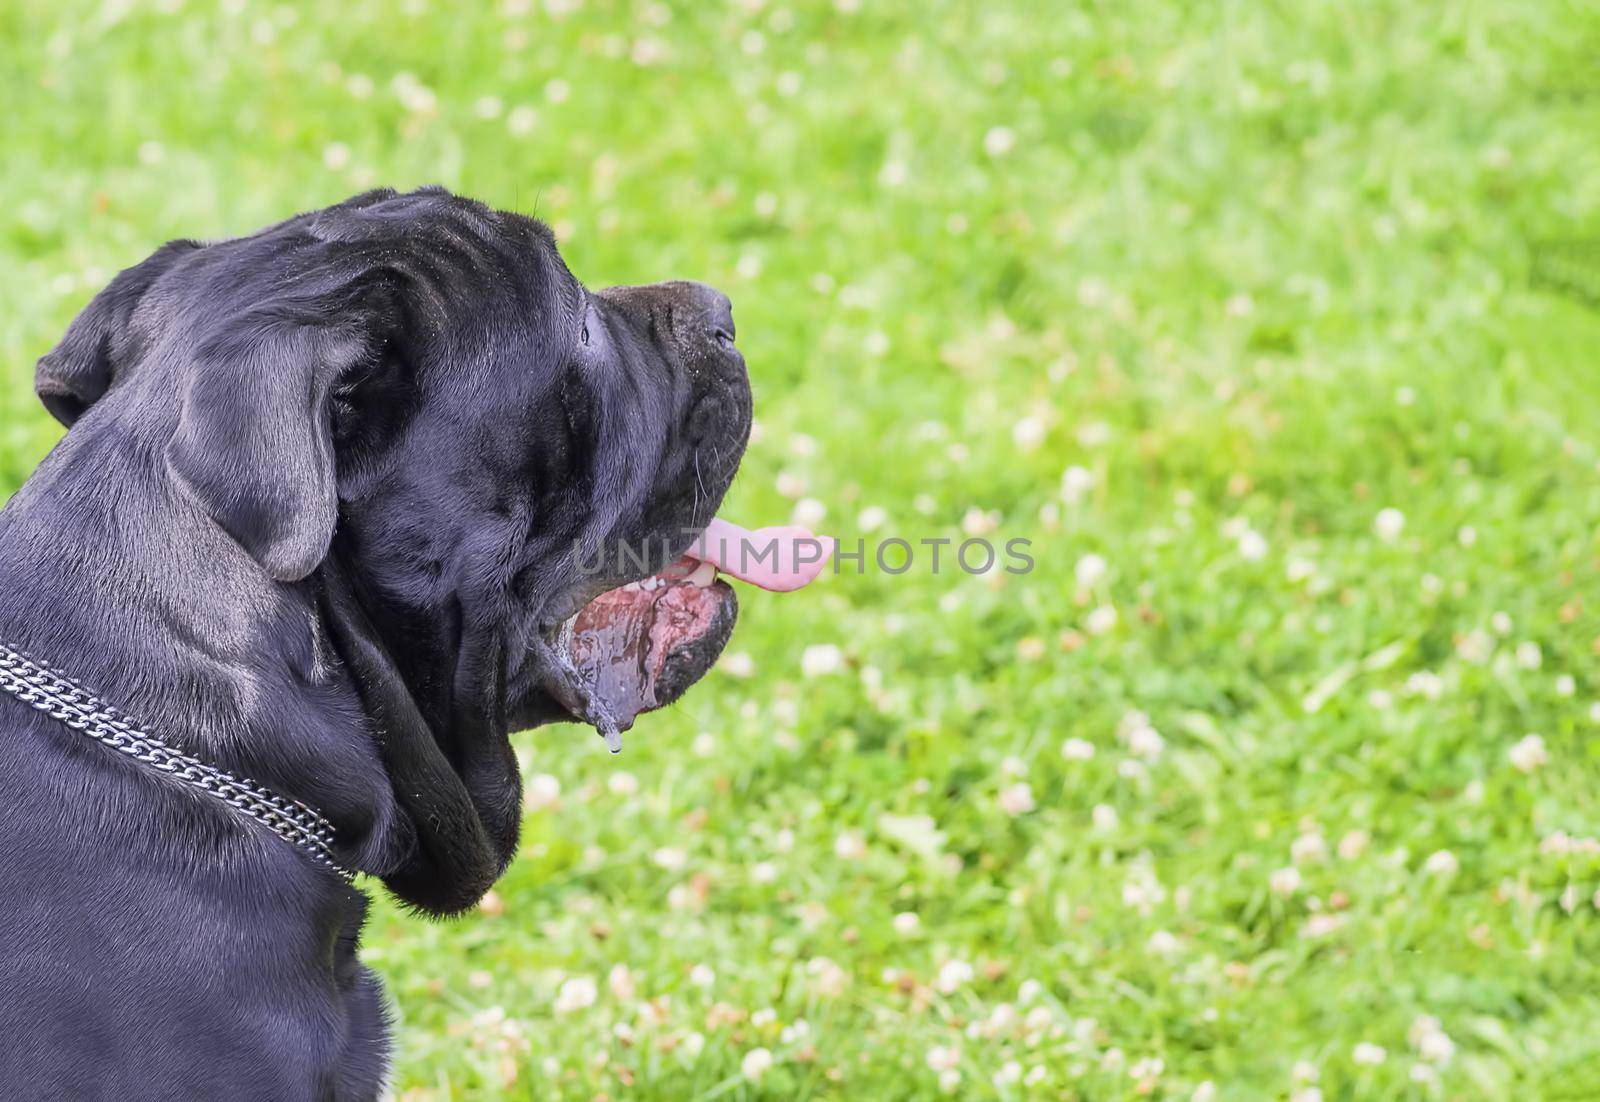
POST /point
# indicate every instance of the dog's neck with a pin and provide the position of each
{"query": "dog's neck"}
(114, 577)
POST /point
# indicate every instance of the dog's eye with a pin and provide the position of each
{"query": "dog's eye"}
(584, 336)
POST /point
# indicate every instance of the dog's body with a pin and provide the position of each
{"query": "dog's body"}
(315, 523)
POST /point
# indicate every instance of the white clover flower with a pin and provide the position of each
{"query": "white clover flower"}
(944, 1057)
(1529, 753)
(1501, 622)
(1441, 863)
(1162, 942)
(872, 518)
(1029, 991)
(790, 485)
(949, 1080)
(1369, 1055)
(623, 783)
(1353, 844)
(1566, 685)
(577, 993)
(850, 845)
(999, 141)
(1308, 848)
(1322, 924)
(809, 512)
(756, 1063)
(620, 981)
(670, 858)
(1150, 1067)
(1252, 546)
(829, 980)
(1104, 816)
(1298, 570)
(1304, 1071)
(906, 923)
(1436, 1047)
(1204, 1091)
(1142, 890)
(1028, 433)
(1077, 749)
(977, 522)
(764, 872)
(1467, 536)
(1090, 570)
(543, 791)
(1076, 482)
(704, 745)
(1389, 523)
(1285, 881)
(1101, 620)
(1144, 740)
(1307, 1094)
(1016, 799)
(738, 664)
(702, 975)
(953, 975)
(1476, 646)
(821, 659)
(1425, 683)
(1008, 1073)
(1529, 656)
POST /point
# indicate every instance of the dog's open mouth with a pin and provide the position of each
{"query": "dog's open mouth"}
(642, 645)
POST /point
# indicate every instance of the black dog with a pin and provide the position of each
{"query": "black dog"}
(321, 520)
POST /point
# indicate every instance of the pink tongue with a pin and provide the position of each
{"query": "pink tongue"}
(781, 559)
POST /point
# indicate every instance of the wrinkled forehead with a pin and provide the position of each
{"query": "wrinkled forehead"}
(441, 259)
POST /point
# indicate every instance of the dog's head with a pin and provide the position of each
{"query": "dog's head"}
(414, 393)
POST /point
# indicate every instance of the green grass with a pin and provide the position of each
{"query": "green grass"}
(1262, 270)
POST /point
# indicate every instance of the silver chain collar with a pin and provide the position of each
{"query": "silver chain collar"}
(47, 691)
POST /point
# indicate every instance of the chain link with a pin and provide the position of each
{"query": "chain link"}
(53, 694)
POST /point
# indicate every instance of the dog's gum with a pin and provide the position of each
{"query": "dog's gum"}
(623, 639)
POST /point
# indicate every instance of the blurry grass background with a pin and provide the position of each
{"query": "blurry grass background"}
(1231, 309)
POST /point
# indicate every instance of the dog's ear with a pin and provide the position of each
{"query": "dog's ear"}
(254, 443)
(97, 346)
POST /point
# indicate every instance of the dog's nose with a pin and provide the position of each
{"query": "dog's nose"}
(716, 312)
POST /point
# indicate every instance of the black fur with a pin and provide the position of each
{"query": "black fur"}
(315, 518)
